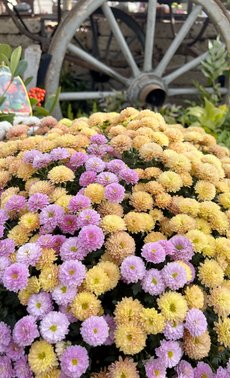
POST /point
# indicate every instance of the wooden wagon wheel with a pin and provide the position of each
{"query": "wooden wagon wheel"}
(149, 83)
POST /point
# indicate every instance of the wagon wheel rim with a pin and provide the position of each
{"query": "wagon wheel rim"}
(150, 83)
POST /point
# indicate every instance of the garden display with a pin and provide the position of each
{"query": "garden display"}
(114, 249)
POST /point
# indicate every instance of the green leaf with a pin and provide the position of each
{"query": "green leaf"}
(4, 59)
(28, 80)
(22, 66)
(33, 101)
(51, 101)
(14, 60)
(2, 99)
(5, 50)
(39, 111)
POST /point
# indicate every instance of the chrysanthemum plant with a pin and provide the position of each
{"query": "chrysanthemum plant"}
(117, 248)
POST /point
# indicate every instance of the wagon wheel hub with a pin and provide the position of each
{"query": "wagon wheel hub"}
(147, 88)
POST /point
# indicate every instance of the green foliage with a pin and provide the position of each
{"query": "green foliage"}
(214, 66)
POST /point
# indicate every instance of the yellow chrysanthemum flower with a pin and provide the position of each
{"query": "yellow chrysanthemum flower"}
(95, 192)
(122, 368)
(173, 306)
(182, 223)
(196, 347)
(152, 321)
(47, 258)
(141, 201)
(54, 373)
(121, 143)
(203, 226)
(224, 200)
(223, 247)
(128, 310)
(25, 171)
(44, 187)
(30, 221)
(194, 296)
(189, 206)
(112, 223)
(60, 174)
(108, 208)
(219, 299)
(112, 272)
(119, 245)
(150, 151)
(85, 305)
(130, 338)
(41, 357)
(19, 234)
(138, 222)
(205, 190)
(57, 193)
(48, 277)
(222, 328)
(63, 201)
(96, 280)
(154, 236)
(197, 238)
(210, 273)
(171, 181)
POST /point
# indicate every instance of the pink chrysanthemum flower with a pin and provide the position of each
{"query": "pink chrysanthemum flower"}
(174, 276)
(196, 322)
(25, 331)
(88, 177)
(91, 237)
(180, 248)
(5, 336)
(132, 269)
(114, 193)
(74, 361)
(69, 224)
(129, 176)
(14, 351)
(41, 161)
(112, 326)
(153, 252)
(22, 369)
(98, 139)
(170, 352)
(63, 294)
(184, 370)
(174, 331)
(94, 330)
(59, 153)
(29, 254)
(39, 305)
(3, 217)
(106, 178)
(15, 277)
(57, 241)
(115, 166)
(152, 282)
(7, 247)
(203, 370)
(15, 203)
(87, 217)
(51, 215)
(54, 327)
(4, 263)
(77, 160)
(6, 367)
(95, 164)
(78, 203)
(221, 373)
(72, 273)
(155, 368)
(37, 201)
(72, 249)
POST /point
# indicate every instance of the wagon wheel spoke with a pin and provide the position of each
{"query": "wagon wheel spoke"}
(96, 64)
(183, 69)
(150, 34)
(192, 91)
(120, 39)
(177, 41)
(71, 96)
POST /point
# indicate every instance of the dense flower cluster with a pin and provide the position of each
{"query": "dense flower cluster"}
(117, 248)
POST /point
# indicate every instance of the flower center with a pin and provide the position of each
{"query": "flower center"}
(174, 275)
(154, 281)
(64, 289)
(74, 361)
(170, 354)
(129, 337)
(73, 249)
(95, 330)
(38, 305)
(53, 328)
(179, 247)
(204, 376)
(132, 267)
(85, 306)
(156, 372)
(42, 356)
(14, 276)
(153, 250)
(71, 272)
(172, 307)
